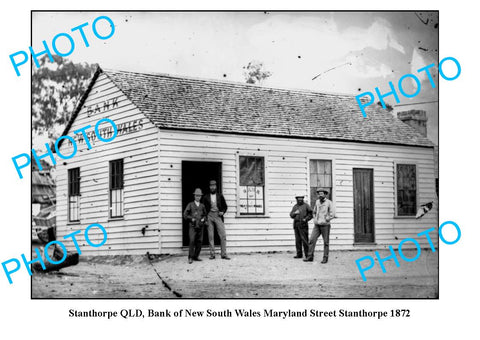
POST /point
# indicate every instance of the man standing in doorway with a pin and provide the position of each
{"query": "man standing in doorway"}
(323, 213)
(216, 209)
(301, 214)
(196, 214)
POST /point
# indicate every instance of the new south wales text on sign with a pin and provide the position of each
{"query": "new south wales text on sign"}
(102, 135)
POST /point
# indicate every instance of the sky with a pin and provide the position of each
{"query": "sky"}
(346, 52)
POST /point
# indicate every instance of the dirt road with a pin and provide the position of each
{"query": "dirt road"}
(271, 275)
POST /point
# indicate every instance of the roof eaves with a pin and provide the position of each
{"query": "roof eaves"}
(294, 137)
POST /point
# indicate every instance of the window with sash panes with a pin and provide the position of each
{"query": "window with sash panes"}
(116, 188)
(74, 195)
(320, 178)
(406, 189)
(252, 185)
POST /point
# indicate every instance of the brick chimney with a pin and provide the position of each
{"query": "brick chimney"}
(416, 119)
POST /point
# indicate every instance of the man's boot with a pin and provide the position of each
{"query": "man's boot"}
(325, 259)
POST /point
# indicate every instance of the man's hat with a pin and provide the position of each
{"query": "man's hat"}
(325, 191)
(299, 195)
(198, 191)
(213, 182)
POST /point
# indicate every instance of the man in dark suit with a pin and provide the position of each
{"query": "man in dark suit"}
(216, 209)
(196, 214)
(301, 214)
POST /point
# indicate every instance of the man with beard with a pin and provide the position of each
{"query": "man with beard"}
(301, 214)
(216, 209)
(323, 213)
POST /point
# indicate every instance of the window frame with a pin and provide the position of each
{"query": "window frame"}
(69, 217)
(264, 155)
(321, 158)
(395, 193)
(110, 190)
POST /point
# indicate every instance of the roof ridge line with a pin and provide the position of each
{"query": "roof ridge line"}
(233, 83)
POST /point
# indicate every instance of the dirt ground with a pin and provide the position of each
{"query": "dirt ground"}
(257, 275)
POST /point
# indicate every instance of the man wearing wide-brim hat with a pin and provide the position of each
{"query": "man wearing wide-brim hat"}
(323, 213)
(301, 214)
(196, 214)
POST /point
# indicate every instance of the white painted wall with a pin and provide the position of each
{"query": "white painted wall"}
(139, 151)
(152, 167)
(287, 163)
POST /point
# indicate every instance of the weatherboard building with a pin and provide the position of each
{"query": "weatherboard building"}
(262, 145)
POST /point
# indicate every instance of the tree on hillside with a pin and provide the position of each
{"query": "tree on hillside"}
(255, 72)
(388, 107)
(56, 90)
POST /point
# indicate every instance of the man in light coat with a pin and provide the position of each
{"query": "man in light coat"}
(323, 213)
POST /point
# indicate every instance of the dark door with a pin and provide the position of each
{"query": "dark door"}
(198, 175)
(363, 205)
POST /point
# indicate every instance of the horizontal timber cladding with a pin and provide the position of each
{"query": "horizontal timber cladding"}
(137, 144)
(152, 186)
(287, 172)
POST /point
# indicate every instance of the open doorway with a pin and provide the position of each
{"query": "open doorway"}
(198, 175)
